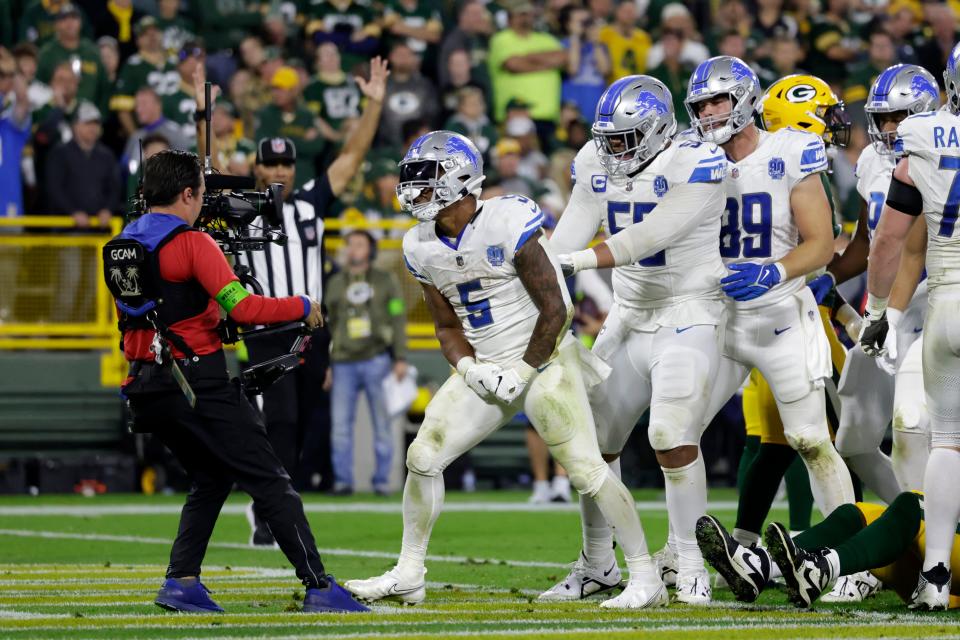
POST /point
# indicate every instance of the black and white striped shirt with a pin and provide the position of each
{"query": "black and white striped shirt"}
(297, 267)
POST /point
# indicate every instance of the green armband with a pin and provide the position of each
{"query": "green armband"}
(395, 306)
(231, 295)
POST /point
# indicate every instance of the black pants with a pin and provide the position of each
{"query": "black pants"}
(296, 408)
(221, 441)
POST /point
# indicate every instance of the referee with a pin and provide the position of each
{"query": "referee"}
(290, 405)
(178, 387)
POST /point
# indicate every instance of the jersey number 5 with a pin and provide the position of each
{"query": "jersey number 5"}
(755, 242)
(952, 206)
(639, 209)
(478, 313)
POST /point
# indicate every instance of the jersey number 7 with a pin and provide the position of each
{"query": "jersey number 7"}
(952, 206)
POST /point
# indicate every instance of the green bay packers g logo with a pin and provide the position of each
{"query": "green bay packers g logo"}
(801, 93)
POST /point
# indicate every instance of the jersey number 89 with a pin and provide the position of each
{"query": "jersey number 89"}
(756, 220)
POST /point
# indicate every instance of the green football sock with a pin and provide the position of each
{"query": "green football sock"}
(760, 485)
(838, 527)
(750, 448)
(885, 539)
(799, 495)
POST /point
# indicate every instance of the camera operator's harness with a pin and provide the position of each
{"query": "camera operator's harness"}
(147, 301)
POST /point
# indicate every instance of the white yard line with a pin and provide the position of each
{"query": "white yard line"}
(353, 553)
(338, 507)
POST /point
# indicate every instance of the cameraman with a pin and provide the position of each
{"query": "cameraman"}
(188, 401)
(292, 404)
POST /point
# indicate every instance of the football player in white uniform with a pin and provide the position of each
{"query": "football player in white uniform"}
(502, 315)
(870, 398)
(660, 337)
(777, 229)
(927, 181)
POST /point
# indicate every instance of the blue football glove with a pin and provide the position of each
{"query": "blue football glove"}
(821, 286)
(750, 280)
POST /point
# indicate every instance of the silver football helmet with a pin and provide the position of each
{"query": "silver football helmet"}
(902, 87)
(446, 163)
(951, 80)
(723, 75)
(634, 121)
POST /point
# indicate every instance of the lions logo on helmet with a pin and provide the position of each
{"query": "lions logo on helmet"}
(903, 90)
(446, 164)
(722, 76)
(806, 103)
(634, 121)
(951, 80)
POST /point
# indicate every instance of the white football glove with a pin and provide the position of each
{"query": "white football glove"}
(513, 381)
(888, 361)
(481, 377)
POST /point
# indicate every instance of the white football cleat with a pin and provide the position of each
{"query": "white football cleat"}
(389, 586)
(541, 493)
(746, 570)
(584, 581)
(933, 590)
(667, 563)
(694, 588)
(639, 596)
(856, 587)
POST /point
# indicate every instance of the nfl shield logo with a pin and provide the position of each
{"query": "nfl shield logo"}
(659, 186)
(495, 256)
(599, 183)
(310, 233)
(278, 145)
(735, 172)
(776, 168)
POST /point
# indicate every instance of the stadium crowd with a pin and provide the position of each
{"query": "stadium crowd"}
(82, 84)
(520, 79)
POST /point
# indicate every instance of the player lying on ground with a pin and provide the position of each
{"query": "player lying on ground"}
(890, 542)
(502, 315)
(660, 337)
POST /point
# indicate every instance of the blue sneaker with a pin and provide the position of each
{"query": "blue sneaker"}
(331, 599)
(193, 599)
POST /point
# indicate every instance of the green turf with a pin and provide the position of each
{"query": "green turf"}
(91, 572)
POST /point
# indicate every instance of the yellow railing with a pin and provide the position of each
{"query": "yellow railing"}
(52, 294)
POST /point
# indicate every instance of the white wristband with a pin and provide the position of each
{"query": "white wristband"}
(846, 313)
(465, 363)
(876, 306)
(781, 270)
(585, 259)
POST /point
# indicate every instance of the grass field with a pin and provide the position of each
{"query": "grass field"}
(72, 567)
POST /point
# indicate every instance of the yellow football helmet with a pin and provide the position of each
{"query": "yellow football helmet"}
(806, 103)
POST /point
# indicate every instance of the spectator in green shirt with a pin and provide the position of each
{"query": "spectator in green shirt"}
(527, 64)
(675, 73)
(176, 30)
(149, 66)
(68, 46)
(287, 117)
(470, 119)
(416, 21)
(332, 95)
(833, 44)
(180, 105)
(37, 24)
(368, 328)
(881, 53)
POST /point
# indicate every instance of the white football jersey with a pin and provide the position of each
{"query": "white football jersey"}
(873, 173)
(758, 224)
(931, 141)
(475, 272)
(679, 285)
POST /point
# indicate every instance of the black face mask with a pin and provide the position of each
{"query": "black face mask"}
(418, 171)
(838, 124)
